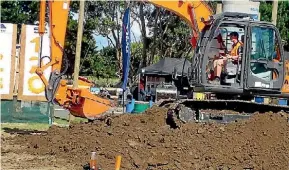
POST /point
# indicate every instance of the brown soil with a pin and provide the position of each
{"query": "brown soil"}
(146, 142)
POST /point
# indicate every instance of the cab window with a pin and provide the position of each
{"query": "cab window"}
(265, 44)
(265, 47)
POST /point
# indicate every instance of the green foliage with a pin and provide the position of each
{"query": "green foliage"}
(107, 15)
(170, 36)
(19, 11)
(136, 57)
(88, 45)
(104, 82)
(283, 21)
(167, 35)
(265, 11)
(175, 39)
(100, 64)
(156, 59)
(282, 18)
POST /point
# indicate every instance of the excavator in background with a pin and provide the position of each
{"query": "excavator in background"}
(261, 71)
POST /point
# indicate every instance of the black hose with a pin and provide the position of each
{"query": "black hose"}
(55, 81)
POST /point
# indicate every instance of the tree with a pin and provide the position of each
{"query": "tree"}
(108, 22)
(282, 18)
(283, 21)
(175, 35)
(136, 59)
(88, 41)
(167, 34)
(19, 12)
(101, 64)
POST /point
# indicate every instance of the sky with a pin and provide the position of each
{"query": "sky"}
(102, 42)
(135, 29)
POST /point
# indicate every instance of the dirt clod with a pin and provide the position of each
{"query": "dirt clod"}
(145, 141)
(200, 131)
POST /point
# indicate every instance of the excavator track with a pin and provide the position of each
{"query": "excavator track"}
(221, 111)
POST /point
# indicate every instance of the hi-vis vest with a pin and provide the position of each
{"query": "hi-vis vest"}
(234, 51)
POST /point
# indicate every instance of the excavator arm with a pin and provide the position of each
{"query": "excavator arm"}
(80, 102)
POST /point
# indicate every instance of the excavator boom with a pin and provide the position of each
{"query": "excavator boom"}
(193, 12)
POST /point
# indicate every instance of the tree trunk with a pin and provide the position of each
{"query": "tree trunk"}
(119, 58)
(163, 54)
(155, 37)
(274, 12)
(115, 34)
(144, 38)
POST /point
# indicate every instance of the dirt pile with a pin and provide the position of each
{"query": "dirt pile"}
(146, 142)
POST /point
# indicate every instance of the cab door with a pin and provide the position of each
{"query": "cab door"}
(265, 62)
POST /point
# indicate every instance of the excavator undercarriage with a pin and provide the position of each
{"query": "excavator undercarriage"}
(214, 110)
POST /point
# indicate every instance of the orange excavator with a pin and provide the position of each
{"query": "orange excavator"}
(260, 70)
(80, 102)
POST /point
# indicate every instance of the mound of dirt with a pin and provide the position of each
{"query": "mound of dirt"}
(145, 141)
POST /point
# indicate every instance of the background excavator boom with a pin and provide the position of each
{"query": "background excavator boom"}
(193, 12)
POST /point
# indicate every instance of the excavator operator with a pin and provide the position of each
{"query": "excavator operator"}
(220, 63)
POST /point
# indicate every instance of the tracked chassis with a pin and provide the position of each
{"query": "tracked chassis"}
(221, 111)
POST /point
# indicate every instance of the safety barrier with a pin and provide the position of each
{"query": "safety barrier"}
(13, 111)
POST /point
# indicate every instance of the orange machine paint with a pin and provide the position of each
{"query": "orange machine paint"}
(184, 10)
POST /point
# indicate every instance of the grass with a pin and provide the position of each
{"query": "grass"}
(26, 126)
(39, 126)
(66, 122)
(104, 82)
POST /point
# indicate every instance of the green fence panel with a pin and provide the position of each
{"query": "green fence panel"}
(24, 112)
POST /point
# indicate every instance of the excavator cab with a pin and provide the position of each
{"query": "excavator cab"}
(259, 67)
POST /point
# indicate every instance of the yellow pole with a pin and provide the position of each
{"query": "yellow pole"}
(117, 163)
(274, 12)
(219, 8)
(78, 44)
(78, 49)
